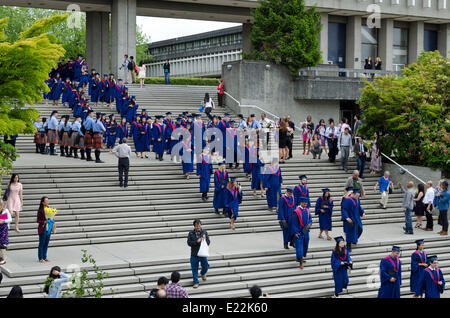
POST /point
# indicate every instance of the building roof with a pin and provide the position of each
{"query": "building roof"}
(196, 37)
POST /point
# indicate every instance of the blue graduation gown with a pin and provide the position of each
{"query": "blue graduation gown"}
(131, 112)
(56, 89)
(285, 209)
(95, 91)
(352, 209)
(257, 176)
(118, 90)
(125, 99)
(430, 283)
(340, 275)
(134, 131)
(67, 92)
(204, 170)
(300, 218)
(111, 130)
(231, 202)
(122, 132)
(417, 272)
(301, 192)
(170, 127)
(387, 288)
(198, 131)
(272, 180)
(109, 91)
(250, 158)
(325, 221)
(188, 165)
(141, 138)
(158, 132)
(223, 125)
(102, 90)
(220, 183)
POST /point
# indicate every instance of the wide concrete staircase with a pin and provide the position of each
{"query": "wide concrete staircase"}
(160, 204)
(275, 271)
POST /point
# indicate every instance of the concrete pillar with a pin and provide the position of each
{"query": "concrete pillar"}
(97, 41)
(123, 32)
(246, 32)
(353, 45)
(416, 35)
(386, 43)
(324, 37)
(444, 40)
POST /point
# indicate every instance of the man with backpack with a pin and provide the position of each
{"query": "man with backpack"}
(132, 69)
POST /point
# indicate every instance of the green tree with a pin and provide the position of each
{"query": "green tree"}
(142, 43)
(73, 38)
(24, 66)
(284, 32)
(412, 112)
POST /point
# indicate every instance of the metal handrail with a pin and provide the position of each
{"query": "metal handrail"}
(304, 71)
(403, 168)
(254, 106)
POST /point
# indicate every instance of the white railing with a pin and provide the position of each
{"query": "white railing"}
(403, 168)
(255, 107)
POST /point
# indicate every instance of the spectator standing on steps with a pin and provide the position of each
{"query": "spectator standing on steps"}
(194, 240)
(355, 182)
(14, 202)
(360, 150)
(125, 68)
(428, 203)
(132, 68)
(443, 204)
(220, 92)
(142, 73)
(123, 152)
(174, 289)
(408, 205)
(345, 143)
(166, 69)
(5, 220)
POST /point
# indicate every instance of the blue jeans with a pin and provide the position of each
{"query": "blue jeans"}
(167, 78)
(361, 164)
(408, 221)
(44, 240)
(194, 267)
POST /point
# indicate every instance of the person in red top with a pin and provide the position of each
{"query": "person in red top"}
(44, 236)
(220, 92)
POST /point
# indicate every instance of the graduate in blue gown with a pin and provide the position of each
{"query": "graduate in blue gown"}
(95, 89)
(222, 126)
(135, 131)
(122, 130)
(324, 209)
(132, 109)
(125, 101)
(233, 197)
(56, 89)
(220, 183)
(111, 130)
(351, 216)
(419, 262)
(433, 279)
(170, 128)
(272, 182)
(84, 78)
(91, 80)
(118, 90)
(198, 131)
(302, 191)
(78, 64)
(204, 170)
(186, 153)
(103, 89)
(159, 138)
(286, 208)
(257, 176)
(109, 90)
(340, 263)
(301, 223)
(390, 275)
(66, 92)
(141, 131)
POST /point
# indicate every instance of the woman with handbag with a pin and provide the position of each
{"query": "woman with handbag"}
(14, 199)
(197, 239)
(5, 220)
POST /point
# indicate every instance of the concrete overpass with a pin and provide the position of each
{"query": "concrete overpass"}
(121, 14)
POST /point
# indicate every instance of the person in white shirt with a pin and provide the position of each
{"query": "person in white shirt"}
(5, 220)
(428, 203)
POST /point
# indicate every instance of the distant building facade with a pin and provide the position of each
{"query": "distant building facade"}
(199, 55)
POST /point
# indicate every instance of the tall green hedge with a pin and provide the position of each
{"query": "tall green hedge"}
(184, 81)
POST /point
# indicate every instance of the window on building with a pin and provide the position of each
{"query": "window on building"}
(400, 48)
(369, 44)
(430, 40)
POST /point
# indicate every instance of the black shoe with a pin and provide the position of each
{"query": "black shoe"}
(89, 159)
(125, 186)
(349, 247)
(203, 199)
(53, 154)
(121, 185)
(286, 247)
(216, 211)
(99, 161)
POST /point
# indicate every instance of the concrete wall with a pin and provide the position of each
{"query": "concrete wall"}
(423, 173)
(272, 89)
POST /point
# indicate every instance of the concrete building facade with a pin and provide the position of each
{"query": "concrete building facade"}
(396, 31)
